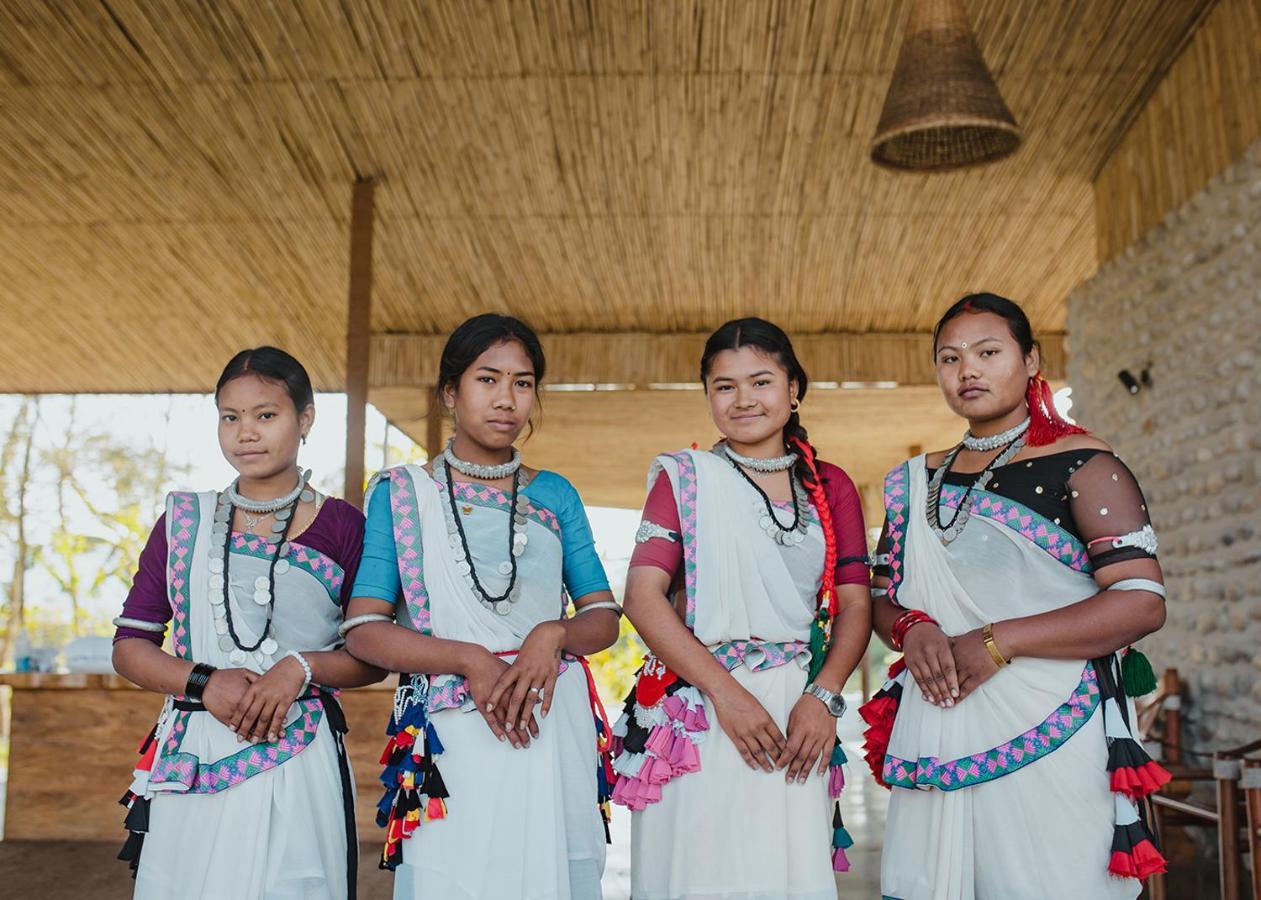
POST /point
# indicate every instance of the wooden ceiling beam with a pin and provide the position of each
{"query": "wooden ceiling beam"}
(643, 359)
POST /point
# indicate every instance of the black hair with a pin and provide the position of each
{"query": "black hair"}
(771, 340)
(477, 335)
(273, 364)
(1017, 321)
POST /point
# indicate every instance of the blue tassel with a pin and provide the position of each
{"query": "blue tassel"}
(841, 838)
(431, 736)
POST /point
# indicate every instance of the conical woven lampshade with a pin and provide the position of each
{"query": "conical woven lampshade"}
(943, 109)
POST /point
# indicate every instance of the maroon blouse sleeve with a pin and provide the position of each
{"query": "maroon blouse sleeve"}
(660, 509)
(851, 533)
(147, 600)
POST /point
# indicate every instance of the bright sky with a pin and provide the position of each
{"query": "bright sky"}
(190, 438)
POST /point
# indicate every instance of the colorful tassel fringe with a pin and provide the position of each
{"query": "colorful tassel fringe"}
(414, 789)
(656, 743)
(879, 713)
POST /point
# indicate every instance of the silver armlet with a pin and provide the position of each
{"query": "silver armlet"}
(1144, 539)
(599, 604)
(878, 592)
(139, 624)
(880, 559)
(649, 530)
(355, 621)
(1138, 584)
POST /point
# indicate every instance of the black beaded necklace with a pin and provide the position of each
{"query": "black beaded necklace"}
(271, 579)
(768, 503)
(468, 555)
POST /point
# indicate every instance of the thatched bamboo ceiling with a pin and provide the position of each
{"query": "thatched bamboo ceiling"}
(175, 177)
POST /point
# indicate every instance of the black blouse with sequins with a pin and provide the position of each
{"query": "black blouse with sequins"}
(1089, 493)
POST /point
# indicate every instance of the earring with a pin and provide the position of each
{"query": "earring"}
(795, 404)
(304, 438)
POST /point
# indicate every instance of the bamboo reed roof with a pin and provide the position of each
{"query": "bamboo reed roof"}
(175, 183)
(175, 177)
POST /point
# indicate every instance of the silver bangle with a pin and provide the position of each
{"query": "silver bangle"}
(139, 624)
(599, 604)
(1139, 584)
(306, 669)
(878, 592)
(356, 621)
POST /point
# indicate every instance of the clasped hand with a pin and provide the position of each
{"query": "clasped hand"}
(946, 669)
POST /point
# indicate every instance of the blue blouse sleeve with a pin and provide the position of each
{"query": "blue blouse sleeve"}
(378, 567)
(582, 571)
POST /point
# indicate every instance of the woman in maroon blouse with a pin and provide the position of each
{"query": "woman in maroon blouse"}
(244, 789)
(750, 586)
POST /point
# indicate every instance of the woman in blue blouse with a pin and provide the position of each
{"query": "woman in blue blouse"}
(468, 566)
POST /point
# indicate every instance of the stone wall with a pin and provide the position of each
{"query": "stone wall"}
(1186, 300)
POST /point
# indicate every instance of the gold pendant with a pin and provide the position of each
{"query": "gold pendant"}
(467, 510)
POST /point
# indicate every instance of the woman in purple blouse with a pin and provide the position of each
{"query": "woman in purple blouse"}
(243, 789)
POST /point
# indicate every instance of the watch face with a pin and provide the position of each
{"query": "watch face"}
(837, 705)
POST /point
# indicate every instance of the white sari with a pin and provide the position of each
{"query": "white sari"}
(716, 828)
(229, 820)
(518, 823)
(1004, 796)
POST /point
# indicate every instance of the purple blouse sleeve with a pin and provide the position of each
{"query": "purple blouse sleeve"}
(147, 600)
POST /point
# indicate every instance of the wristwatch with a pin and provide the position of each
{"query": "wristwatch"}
(834, 702)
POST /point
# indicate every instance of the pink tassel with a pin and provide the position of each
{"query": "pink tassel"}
(677, 749)
(660, 740)
(657, 771)
(836, 781)
(674, 707)
(689, 759)
(840, 862)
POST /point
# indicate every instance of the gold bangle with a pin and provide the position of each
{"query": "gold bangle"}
(987, 635)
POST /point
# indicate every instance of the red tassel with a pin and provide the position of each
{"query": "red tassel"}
(1046, 425)
(436, 809)
(1144, 860)
(1138, 782)
(897, 667)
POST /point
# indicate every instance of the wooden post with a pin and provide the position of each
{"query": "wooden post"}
(433, 425)
(1173, 717)
(358, 334)
(1251, 784)
(1226, 772)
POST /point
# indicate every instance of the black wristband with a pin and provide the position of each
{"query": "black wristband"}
(198, 678)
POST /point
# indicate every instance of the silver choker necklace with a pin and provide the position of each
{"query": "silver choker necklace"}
(300, 491)
(760, 464)
(477, 470)
(994, 441)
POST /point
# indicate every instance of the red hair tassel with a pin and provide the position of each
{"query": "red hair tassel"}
(1046, 425)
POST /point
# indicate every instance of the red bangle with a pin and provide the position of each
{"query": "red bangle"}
(903, 623)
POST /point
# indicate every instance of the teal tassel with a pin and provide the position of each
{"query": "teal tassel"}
(1137, 674)
(818, 644)
(838, 756)
(840, 837)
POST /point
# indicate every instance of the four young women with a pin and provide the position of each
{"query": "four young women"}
(477, 578)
